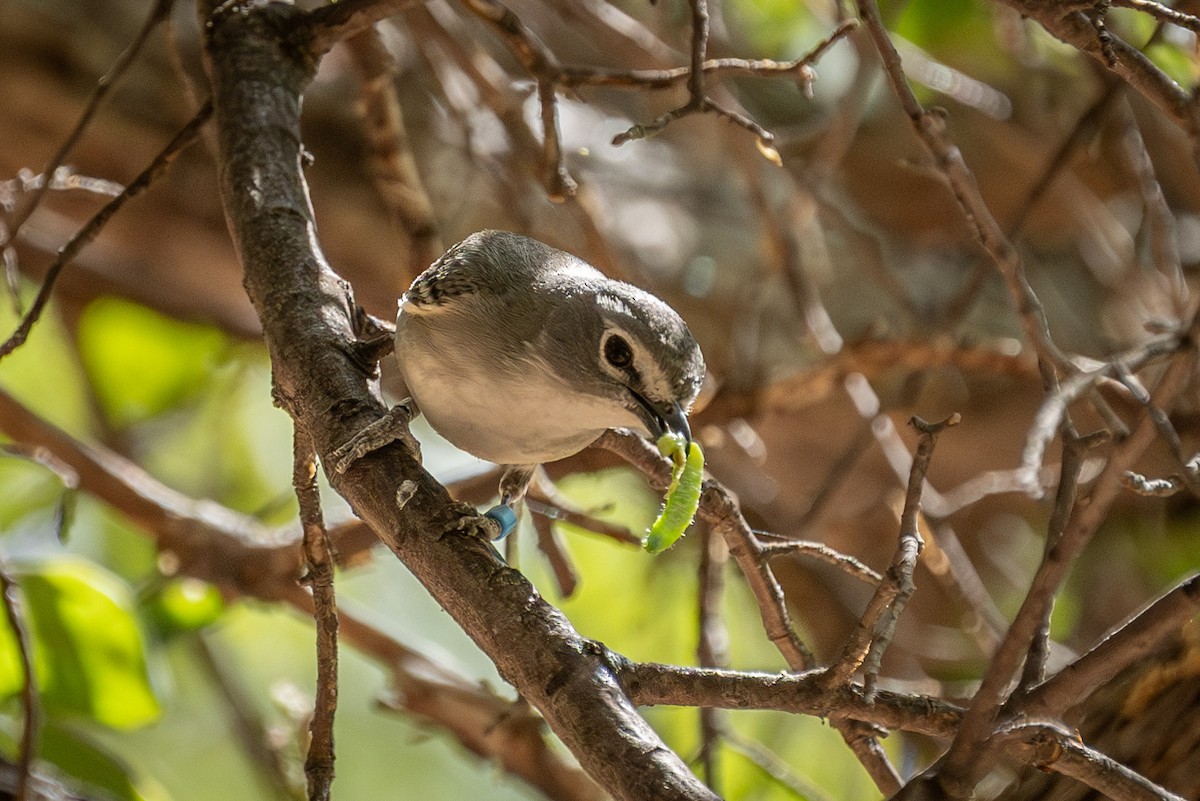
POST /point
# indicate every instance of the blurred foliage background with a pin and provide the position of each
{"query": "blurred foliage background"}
(851, 259)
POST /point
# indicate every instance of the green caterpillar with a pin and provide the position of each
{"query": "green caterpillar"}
(683, 496)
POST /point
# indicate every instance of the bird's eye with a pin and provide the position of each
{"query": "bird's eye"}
(617, 352)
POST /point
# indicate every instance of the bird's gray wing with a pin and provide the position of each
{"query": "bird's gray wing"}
(446, 279)
(495, 267)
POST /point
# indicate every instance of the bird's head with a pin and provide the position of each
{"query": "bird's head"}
(627, 346)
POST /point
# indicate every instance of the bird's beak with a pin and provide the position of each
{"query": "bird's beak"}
(659, 419)
(676, 420)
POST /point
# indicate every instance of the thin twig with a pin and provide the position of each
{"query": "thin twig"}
(88, 232)
(870, 637)
(863, 740)
(318, 764)
(1050, 414)
(560, 185)
(652, 684)
(547, 500)
(542, 65)
(963, 762)
(31, 708)
(720, 510)
(160, 11)
(712, 644)
(822, 552)
(1034, 670)
(931, 131)
(1159, 220)
(573, 76)
(1162, 13)
(1134, 67)
(698, 101)
(554, 550)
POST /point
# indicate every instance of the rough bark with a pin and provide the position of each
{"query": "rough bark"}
(260, 64)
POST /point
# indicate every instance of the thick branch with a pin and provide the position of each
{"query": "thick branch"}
(1052, 748)
(1074, 28)
(210, 542)
(1115, 652)
(306, 315)
(807, 693)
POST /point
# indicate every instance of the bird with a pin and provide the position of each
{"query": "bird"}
(522, 354)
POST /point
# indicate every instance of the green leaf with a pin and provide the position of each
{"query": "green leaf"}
(141, 362)
(185, 604)
(43, 373)
(90, 765)
(88, 650)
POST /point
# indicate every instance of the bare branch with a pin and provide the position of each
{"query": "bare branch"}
(159, 12)
(651, 684)
(930, 128)
(318, 764)
(1162, 13)
(542, 65)
(329, 24)
(1133, 640)
(1050, 747)
(720, 510)
(712, 644)
(235, 552)
(1076, 29)
(1064, 503)
(870, 637)
(304, 309)
(30, 705)
(1050, 415)
(88, 232)
(963, 762)
(822, 552)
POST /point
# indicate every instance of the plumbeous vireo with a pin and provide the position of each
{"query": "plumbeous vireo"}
(521, 354)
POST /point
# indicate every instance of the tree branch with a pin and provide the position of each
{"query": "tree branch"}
(88, 232)
(651, 684)
(1133, 640)
(306, 314)
(318, 562)
(210, 542)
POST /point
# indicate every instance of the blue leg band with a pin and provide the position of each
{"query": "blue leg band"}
(505, 516)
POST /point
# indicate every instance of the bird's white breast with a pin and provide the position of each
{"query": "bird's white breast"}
(501, 414)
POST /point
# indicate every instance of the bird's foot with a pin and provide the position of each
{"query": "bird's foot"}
(495, 524)
(505, 516)
(387, 429)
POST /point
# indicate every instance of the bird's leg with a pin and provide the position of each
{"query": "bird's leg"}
(515, 482)
(513, 485)
(387, 429)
